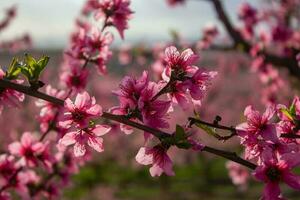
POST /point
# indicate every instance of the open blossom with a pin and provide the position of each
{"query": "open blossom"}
(136, 101)
(273, 171)
(92, 45)
(248, 14)
(7, 167)
(48, 110)
(153, 112)
(158, 158)
(180, 63)
(29, 149)
(80, 138)
(9, 97)
(258, 125)
(185, 76)
(80, 112)
(75, 77)
(281, 33)
(116, 13)
(198, 83)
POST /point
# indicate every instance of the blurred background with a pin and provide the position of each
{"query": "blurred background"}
(115, 174)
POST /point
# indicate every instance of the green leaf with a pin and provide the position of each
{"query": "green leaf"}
(184, 145)
(207, 129)
(42, 63)
(180, 133)
(13, 70)
(292, 109)
(286, 112)
(30, 61)
(32, 70)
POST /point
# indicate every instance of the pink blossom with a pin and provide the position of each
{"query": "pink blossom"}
(273, 171)
(185, 77)
(248, 14)
(92, 45)
(181, 64)
(75, 77)
(258, 125)
(136, 102)
(7, 167)
(80, 138)
(238, 174)
(158, 158)
(28, 149)
(153, 112)
(281, 33)
(116, 13)
(80, 112)
(49, 110)
(198, 83)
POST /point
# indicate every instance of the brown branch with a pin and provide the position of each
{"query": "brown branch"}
(289, 63)
(230, 156)
(121, 119)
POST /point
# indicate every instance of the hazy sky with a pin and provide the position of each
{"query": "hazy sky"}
(50, 22)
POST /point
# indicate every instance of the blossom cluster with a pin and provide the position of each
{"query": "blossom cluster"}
(270, 145)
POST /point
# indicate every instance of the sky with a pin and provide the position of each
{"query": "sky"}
(50, 22)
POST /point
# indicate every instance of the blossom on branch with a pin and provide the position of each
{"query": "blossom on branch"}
(158, 158)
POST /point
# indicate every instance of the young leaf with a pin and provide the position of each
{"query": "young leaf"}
(286, 112)
(180, 133)
(13, 70)
(184, 145)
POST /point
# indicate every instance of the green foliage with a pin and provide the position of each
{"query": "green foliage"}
(32, 70)
(179, 139)
(13, 70)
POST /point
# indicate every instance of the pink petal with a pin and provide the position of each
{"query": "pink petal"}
(168, 166)
(15, 148)
(248, 110)
(96, 143)
(95, 110)
(126, 129)
(292, 180)
(259, 173)
(81, 100)
(271, 191)
(38, 147)
(100, 130)
(69, 104)
(188, 57)
(65, 124)
(68, 139)
(143, 158)
(156, 170)
(79, 149)
(171, 53)
(268, 114)
(26, 139)
(269, 133)
(291, 159)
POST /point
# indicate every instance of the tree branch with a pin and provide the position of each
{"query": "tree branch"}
(121, 119)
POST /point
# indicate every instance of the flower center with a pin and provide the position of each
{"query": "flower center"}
(28, 153)
(78, 116)
(75, 81)
(273, 174)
